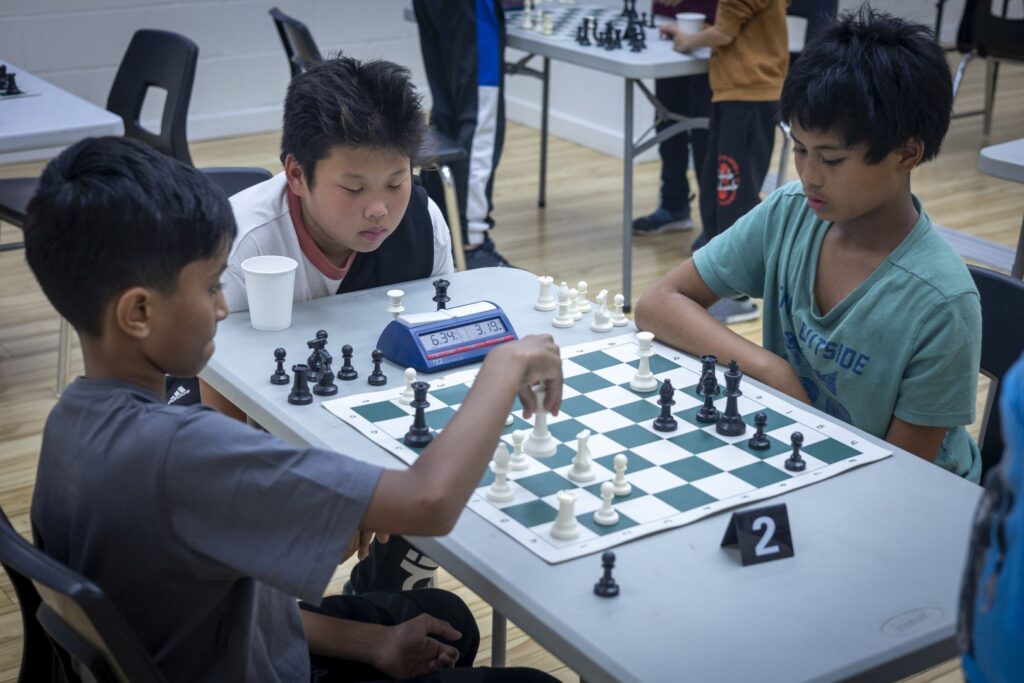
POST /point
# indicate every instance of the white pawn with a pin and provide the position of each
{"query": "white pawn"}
(549, 24)
(518, 461)
(405, 398)
(546, 298)
(566, 527)
(564, 317)
(643, 381)
(574, 300)
(500, 491)
(540, 443)
(620, 486)
(606, 515)
(582, 302)
(527, 19)
(395, 307)
(581, 470)
(602, 320)
(619, 319)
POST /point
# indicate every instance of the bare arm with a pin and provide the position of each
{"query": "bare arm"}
(675, 310)
(684, 42)
(428, 498)
(922, 441)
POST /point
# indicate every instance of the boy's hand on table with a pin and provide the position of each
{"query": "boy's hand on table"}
(410, 648)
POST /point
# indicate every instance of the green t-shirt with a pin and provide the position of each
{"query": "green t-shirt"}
(905, 342)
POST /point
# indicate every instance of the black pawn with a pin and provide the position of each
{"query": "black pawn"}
(708, 413)
(12, 87)
(795, 462)
(441, 293)
(325, 386)
(419, 434)
(300, 395)
(708, 363)
(377, 377)
(347, 372)
(606, 586)
(279, 376)
(730, 423)
(760, 442)
(665, 422)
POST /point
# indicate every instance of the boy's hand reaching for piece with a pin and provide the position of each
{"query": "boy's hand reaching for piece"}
(410, 648)
(541, 363)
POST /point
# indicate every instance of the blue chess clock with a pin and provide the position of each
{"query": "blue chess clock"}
(431, 342)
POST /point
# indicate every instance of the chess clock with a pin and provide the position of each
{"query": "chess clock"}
(432, 342)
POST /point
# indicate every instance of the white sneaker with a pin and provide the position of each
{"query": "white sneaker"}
(729, 311)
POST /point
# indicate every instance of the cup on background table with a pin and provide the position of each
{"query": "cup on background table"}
(690, 22)
(270, 287)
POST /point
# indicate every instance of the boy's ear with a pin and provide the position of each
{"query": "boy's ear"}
(908, 155)
(295, 176)
(133, 311)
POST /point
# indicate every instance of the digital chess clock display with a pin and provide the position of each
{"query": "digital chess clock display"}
(454, 336)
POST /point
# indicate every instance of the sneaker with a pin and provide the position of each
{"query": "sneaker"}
(485, 256)
(729, 311)
(661, 221)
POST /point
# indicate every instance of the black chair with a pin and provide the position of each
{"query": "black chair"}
(993, 38)
(1002, 342)
(85, 631)
(438, 149)
(234, 179)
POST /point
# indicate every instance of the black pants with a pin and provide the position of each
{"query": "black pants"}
(740, 140)
(395, 607)
(394, 565)
(687, 96)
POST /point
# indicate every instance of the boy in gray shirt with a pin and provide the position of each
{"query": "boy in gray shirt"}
(202, 530)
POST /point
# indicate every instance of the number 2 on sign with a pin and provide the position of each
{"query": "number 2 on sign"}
(762, 548)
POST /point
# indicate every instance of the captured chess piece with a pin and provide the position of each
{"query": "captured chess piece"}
(395, 307)
(406, 397)
(546, 298)
(759, 442)
(708, 363)
(300, 395)
(279, 376)
(419, 434)
(796, 462)
(441, 297)
(377, 377)
(347, 372)
(708, 413)
(665, 422)
(606, 586)
(729, 422)
(325, 386)
(12, 86)
(315, 362)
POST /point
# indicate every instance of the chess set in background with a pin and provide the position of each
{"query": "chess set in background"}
(625, 457)
(601, 27)
(9, 85)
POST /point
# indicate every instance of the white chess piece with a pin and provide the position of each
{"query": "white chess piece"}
(602, 320)
(540, 443)
(395, 307)
(606, 515)
(405, 398)
(518, 462)
(509, 419)
(549, 24)
(581, 470)
(619, 319)
(574, 300)
(643, 381)
(619, 484)
(500, 491)
(546, 298)
(527, 19)
(563, 318)
(566, 527)
(582, 302)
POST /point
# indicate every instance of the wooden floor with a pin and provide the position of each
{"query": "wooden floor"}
(577, 237)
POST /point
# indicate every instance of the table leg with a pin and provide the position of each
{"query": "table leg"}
(627, 199)
(544, 101)
(1018, 261)
(498, 636)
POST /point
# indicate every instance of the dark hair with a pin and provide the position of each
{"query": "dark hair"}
(343, 101)
(872, 78)
(113, 213)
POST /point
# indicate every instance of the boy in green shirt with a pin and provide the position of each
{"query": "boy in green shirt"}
(870, 316)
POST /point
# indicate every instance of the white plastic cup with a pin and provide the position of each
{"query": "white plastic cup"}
(270, 287)
(690, 22)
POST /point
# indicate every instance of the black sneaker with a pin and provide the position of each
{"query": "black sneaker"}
(485, 256)
(661, 221)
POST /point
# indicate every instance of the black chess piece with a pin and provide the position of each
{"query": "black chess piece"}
(300, 395)
(665, 422)
(441, 293)
(618, 39)
(315, 362)
(795, 462)
(651, 19)
(325, 386)
(708, 363)
(760, 442)
(730, 423)
(419, 434)
(606, 586)
(12, 86)
(279, 376)
(377, 377)
(708, 413)
(346, 371)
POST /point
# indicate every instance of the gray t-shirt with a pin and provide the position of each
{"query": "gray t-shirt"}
(201, 529)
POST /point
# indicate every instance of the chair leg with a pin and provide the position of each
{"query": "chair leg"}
(958, 77)
(991, 74)
(780, 176)
(451, 202)
(63, 355)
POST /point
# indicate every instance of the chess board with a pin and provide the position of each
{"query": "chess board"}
(676, 477)
(567, 18)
